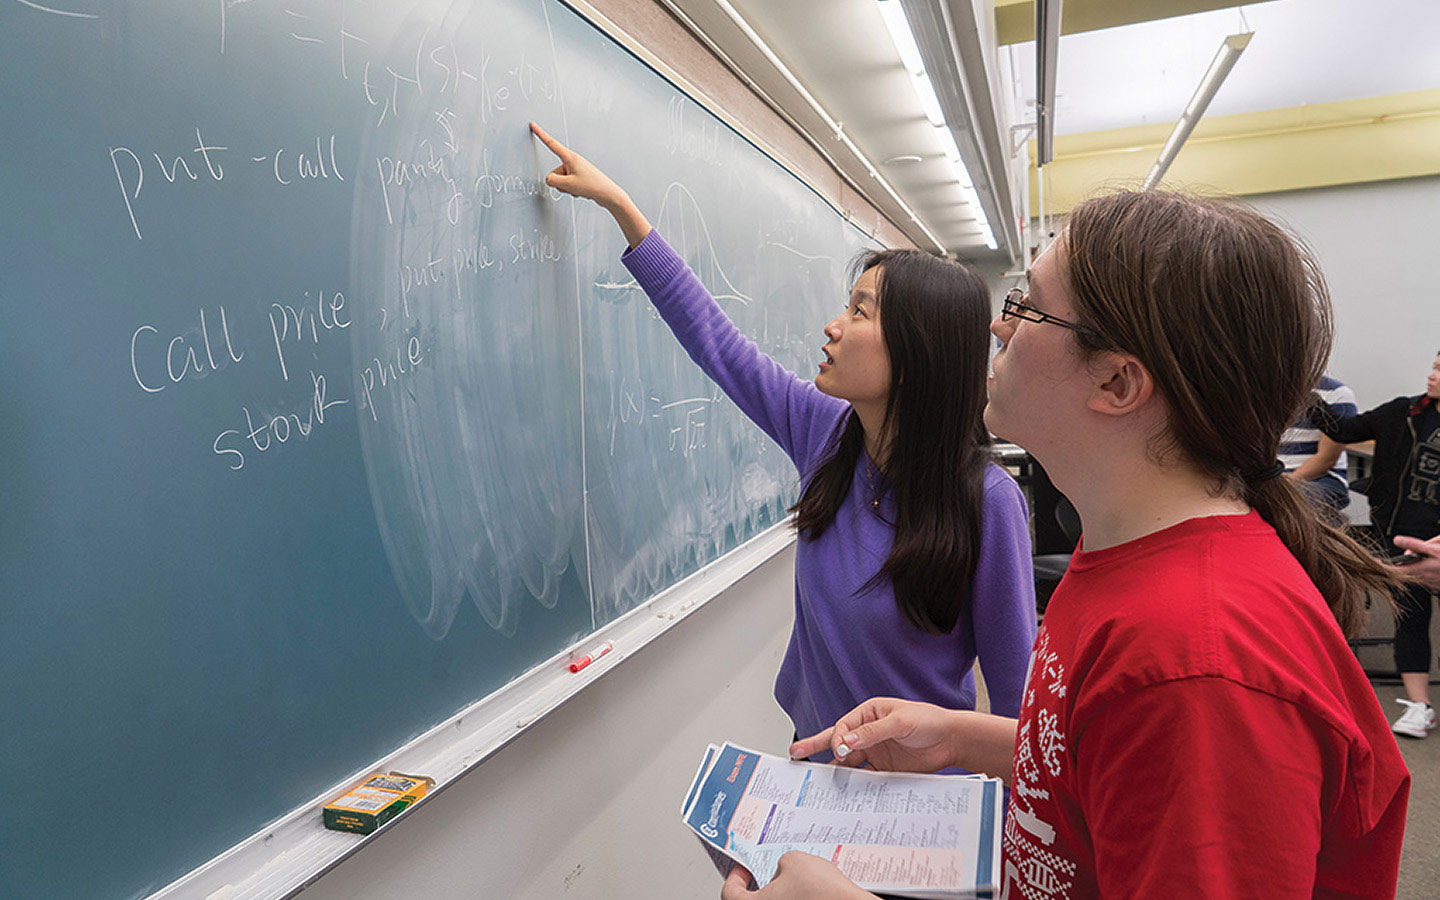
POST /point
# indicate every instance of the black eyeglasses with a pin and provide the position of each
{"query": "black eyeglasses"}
(1015, 307)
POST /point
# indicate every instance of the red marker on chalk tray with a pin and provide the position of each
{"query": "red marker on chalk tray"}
(578, 664)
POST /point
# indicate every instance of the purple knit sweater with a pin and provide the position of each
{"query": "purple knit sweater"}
(849, 645)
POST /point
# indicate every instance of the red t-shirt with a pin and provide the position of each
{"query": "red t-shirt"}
(1194, 725)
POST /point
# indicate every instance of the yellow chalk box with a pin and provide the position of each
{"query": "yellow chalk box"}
(375, 801)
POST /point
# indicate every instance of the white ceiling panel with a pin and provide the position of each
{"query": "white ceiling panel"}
(1303, 52)
(840, 51)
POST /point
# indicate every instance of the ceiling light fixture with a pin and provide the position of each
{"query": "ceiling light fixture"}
(903, 37)
(1220, 66)
(904, 40)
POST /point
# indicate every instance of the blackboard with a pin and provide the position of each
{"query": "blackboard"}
(322, 416)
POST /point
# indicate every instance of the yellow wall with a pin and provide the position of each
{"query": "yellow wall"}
(1350, 141)
(1015, 19)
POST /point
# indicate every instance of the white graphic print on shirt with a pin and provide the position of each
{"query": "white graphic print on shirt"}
(1031, 870)
(1425, 477)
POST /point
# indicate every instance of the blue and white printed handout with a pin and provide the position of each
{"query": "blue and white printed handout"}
(923, 836)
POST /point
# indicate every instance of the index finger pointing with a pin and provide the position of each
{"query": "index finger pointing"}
(809, 746)
(555, 146)
(863, 727)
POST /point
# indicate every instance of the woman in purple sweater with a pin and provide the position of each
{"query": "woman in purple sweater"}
(914, 554)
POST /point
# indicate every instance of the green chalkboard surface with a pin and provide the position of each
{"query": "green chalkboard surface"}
(322, 417)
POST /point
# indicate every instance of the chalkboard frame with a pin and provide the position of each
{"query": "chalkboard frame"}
(291, 853)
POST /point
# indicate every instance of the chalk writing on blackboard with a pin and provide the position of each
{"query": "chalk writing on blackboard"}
(58, 12)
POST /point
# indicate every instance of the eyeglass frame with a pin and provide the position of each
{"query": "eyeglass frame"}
(1012, 308)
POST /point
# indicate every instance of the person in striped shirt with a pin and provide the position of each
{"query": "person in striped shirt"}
(1314, 460)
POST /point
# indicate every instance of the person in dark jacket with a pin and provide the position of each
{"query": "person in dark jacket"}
(1404, 503)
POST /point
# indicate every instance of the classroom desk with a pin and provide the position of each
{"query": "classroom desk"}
(1361, 455)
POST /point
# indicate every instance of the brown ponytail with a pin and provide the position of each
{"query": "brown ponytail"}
(1341, 567)
(1232, 318)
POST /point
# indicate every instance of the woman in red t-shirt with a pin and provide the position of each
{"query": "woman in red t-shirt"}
(1193, 724)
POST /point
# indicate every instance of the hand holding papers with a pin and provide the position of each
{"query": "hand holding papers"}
(800, 876)
(917, 835)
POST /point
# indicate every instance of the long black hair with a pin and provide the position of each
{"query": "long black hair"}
(934, 317)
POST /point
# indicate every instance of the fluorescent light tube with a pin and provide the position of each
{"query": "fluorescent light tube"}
(901, 35)
(952, 153)
(929, 100)
(947, 141)
(1220, 66)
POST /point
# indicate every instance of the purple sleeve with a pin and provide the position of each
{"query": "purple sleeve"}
(1002, 606)
(789, 409)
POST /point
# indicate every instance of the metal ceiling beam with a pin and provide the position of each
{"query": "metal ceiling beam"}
(1015, 19)
(1047, 54)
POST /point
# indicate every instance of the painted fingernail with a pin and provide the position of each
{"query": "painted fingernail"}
(842, 751)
